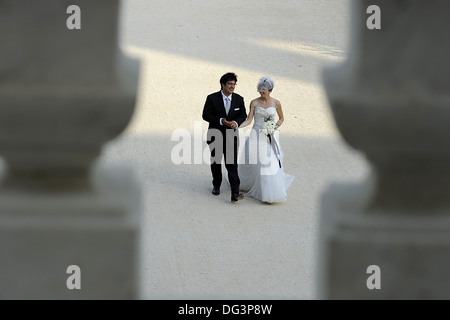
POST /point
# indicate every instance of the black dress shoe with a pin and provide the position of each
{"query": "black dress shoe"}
(237, 196)
(215, 191)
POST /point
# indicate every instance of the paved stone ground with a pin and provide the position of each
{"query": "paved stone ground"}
(195, 245)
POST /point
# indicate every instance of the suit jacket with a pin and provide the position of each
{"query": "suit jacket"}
(214, 109)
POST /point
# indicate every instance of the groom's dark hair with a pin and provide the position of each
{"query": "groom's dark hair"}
(230, 76)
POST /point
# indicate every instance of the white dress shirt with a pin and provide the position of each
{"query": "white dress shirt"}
(224, 105)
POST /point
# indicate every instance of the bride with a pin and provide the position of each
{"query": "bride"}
(261, 168)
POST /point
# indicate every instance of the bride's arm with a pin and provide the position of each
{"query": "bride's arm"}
(280, 115)
(249, 117)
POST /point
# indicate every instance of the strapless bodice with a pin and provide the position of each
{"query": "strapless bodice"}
(262, 114)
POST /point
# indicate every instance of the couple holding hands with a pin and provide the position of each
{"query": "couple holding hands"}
(259, 171)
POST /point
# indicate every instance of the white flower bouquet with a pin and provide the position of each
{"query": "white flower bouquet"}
(269, 126)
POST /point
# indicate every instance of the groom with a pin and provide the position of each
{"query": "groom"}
(225, 111)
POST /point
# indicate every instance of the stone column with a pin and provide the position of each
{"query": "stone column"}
(391, 100)
(64, 93)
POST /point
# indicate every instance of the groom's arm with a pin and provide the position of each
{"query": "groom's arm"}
(208, 112)
(242, 113)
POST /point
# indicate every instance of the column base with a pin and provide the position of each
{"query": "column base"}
(411, 250)
(43, 233)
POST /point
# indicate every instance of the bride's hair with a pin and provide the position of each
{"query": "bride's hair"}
(265, 82)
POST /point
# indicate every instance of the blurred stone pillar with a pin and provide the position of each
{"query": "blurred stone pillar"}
(391, 100)
(63, 94)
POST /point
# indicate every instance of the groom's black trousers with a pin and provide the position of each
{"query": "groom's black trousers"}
(229, 151)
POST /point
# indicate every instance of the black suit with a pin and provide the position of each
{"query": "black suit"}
(213, 111)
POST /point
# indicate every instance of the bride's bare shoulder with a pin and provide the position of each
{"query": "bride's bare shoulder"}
(277, 103)
(253, 102)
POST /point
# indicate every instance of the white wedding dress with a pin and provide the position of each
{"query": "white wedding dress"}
(261, 167)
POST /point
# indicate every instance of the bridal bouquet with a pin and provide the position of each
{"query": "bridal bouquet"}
(269, 126)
